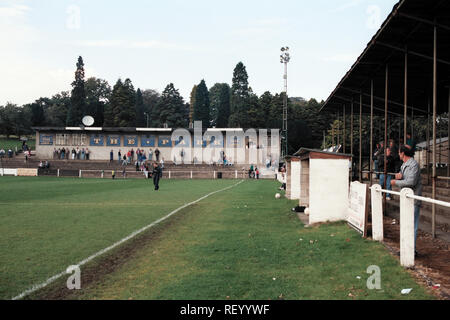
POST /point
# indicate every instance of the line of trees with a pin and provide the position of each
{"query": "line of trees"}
(220, 106)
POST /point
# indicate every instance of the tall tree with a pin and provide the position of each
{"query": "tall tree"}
(140, 113)
(37, 111)
(121, 111)
(201, 106)
(219, 96)
(239, 97)
(255, 116)
(98, 94)
(56, 112)
(151, 99)
(170, 110)
(78, 99)
(191, 104)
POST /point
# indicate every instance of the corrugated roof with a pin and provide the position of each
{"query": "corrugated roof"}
(409, 27)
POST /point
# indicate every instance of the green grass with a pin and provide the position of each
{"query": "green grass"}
(238, 244)
(47, 224)
(13, 143)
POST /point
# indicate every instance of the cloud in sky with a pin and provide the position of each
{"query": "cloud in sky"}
(347, 5)
(261, 27)
(145, 44)
(14, 11)
(344, 57)
(180, 43)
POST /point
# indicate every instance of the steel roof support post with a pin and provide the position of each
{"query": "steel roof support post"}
(351, 138)
(433, 216)
(428, 143)
(345, 132)
(332, 135)
(386, 101)
(405, 119)
(338, 129)
(371, 133)
(360, 137)
(448, 141)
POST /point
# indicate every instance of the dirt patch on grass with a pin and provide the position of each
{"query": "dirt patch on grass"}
(93, 273)
(433, 262)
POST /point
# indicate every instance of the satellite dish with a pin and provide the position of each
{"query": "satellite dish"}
(88, 121)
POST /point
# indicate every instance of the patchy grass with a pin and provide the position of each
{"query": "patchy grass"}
(47, 224)
(244, 244)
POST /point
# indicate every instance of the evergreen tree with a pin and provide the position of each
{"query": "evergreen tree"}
(219, 105)
(170, 110)
(151, 99)
(121, 111)
(265, 102)
(239, 97)
(78, 98)
(201, 106)
(255, 116)
(140, 116)
(191, 104)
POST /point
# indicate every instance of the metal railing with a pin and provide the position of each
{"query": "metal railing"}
(407, 239)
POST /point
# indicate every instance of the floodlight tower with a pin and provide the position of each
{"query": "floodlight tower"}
(285, 58)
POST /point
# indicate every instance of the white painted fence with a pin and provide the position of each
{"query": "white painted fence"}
(407, 198)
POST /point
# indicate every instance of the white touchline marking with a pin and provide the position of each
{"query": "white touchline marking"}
(36, 287)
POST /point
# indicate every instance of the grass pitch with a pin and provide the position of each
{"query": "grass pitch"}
(238, 244)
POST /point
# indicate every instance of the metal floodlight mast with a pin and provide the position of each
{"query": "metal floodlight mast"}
(285, 58)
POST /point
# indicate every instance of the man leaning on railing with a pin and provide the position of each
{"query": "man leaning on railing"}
(410, 177)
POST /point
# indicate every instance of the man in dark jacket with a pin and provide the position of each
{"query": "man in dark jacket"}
(156, 173)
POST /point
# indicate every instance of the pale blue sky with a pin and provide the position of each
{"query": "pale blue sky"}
(157, 42)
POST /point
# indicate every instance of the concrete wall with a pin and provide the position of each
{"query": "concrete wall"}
(328, 190)
(288, 179)
(295, 180)
(304, 182)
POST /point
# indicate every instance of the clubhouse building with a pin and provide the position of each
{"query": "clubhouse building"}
(197, 145)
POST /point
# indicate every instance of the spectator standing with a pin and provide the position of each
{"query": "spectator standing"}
(111, 156)
(411, 142)
(394, 154)
(375, 160)
(150, 155)
(390, 165)
(119, 156)
(410, 177)
(157, 154)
